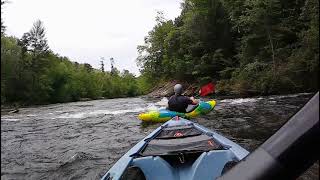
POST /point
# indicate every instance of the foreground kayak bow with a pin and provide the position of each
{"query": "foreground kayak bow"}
(179, 149)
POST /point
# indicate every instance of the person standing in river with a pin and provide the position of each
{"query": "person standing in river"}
(178, 102)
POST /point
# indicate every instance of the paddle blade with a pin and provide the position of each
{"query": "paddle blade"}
(207, 89)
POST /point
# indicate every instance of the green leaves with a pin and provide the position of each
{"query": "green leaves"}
(35, 40)
(186, 49)
(256, 44)
(33, 75)
(3, 27)
(246, 45)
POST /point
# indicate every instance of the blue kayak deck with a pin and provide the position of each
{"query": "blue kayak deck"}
(158, 169)
(206, 165)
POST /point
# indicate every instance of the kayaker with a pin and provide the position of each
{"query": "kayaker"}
(178, 102)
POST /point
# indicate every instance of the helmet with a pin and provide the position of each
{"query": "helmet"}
(178, 89)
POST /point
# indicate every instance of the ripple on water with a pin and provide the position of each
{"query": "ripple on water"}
(10, 119)
(240, 100)
(82, 140)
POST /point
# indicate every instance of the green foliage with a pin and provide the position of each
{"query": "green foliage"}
(32, 74)
(195, 45)
(246, 45)
(35, 40)
(258, 46)
(144, 84)
(3, 27)
(10, 67)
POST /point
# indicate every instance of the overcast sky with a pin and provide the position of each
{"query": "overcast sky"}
(84, 31)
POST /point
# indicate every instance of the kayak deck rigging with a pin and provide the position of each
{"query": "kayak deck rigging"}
(179, 149)
(177, 140)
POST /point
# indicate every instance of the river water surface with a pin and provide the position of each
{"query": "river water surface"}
(82, 140)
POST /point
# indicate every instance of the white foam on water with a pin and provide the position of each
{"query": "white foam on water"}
(293, 95)
(69, 116)
(99, 112)
(115, 112)
(152, 107)
(240, 100)
(9, 119)
(252, 100)
(162, 102)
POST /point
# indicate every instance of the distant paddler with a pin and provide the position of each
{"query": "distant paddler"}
(178, 105)
(178, 102)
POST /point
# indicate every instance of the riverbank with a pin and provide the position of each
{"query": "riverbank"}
(13, 107)
(159, 91)
(166, 89)
(191, 89)
(8, 110)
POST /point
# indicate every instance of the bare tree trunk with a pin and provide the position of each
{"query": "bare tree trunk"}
(272, 50)
(3, 85)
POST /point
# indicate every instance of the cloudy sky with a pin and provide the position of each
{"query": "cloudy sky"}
(85, 31)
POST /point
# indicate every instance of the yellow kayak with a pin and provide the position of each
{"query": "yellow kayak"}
(163, 115)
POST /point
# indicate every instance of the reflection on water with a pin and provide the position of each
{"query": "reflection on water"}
(82, 140)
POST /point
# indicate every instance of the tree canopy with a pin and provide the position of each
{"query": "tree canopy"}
(32, 74)
(266, 47)
(244, 45)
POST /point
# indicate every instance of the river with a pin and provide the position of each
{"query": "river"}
(82, 140)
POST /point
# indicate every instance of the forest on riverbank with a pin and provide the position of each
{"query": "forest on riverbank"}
(244, 46)
(31, 73)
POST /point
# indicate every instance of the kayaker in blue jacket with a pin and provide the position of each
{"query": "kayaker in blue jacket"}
(178, 102)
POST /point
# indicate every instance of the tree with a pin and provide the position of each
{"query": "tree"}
(102, 64)
(3, 27)
(114, 70)
(87, 67)
(11, 68)
(151, 54)
(264, 46)
(35, 40)
(197, 44)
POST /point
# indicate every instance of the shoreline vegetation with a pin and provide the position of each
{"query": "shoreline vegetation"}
(32, 74)
(246, 48)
